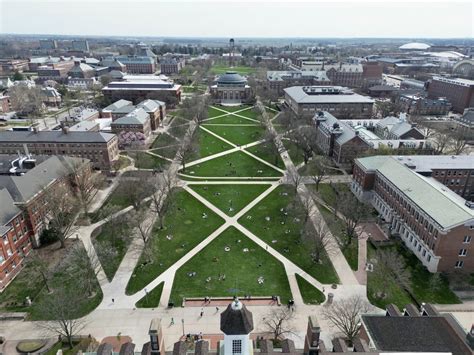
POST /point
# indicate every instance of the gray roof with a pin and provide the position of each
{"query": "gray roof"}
(236, 319)
(300, 96)
(135, 60)
(54, 137)
(23, 188)
(347, 132)
(438, 201)
(151, 105)
(118, 104)
(80, 68)
(231, 77)
(8, 210)
(137, 116)
(414, 334)
(427, 163)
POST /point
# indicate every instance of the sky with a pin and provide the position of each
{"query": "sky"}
(246, 18)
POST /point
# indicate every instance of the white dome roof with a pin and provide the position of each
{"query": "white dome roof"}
(415, 45)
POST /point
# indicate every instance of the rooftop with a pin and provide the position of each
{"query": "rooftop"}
(54, 136)
(137, 116)
(414, 334)
(439, 202)
(325, 94)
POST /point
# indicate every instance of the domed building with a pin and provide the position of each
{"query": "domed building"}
(415, 46)
(231, 88)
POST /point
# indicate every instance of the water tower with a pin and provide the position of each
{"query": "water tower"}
(231, 52)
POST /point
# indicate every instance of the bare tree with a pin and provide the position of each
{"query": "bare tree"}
(304, 137)
(26, 100)
(307, 204)
(352, 213)
(60, 210)
(278, 322)
(187, 150)
(345, 315)
(390, 265)
(85, 183)
(320, 170)
(295, 179)
(135, 190)
(271, 139)
(39, 268)
(161, 197)
(84, 265)
(62, 308)
(458, 139)
(318, 237)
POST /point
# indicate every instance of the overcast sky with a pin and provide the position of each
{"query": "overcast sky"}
(246, 18)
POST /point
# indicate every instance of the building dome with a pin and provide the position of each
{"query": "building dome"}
(236, 319)
(415, 46)
(231, 77)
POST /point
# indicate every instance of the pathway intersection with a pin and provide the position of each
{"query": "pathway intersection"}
(113, 317)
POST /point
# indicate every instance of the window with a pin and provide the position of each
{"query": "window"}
(459, 264)
(236, 346)
(462, 252)
(428, 258)
(467, 239)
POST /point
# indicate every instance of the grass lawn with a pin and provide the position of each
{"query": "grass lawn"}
(226, 196)
(294, 152)
(122, 163)
(241, 69)
(233, 108)
(239, 135)
(312, 169)
(310, 294)
(395, 294)
(185, 226)
(336, 226)
(229, 119)
(326, 191)
(110, 248)
(167, 152)
(265, 152)
(213, 112)
(420, 283)
(208, 145)
(250, 113)
(278, 220)
(152, 298)
(144, 160)
(236, 164)
(163, 140)
(28, 284)
(242, 266)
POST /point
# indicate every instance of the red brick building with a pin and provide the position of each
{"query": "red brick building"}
(459, 92)
(432, 221)
(22, 208)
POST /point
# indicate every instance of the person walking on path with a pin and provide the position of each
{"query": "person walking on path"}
(202, 312)
(217, 309)
(172, 321)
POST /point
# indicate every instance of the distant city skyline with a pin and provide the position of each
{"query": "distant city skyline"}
(355, 19)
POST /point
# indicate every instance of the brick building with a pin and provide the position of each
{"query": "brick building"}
(435, 223)
(9, 66)
(417, 104)
(138, 64)
(279, 80)
(341, 102)
(100, 148)
(171, 65)
(137, 120)
(22, 211)
(459, 92)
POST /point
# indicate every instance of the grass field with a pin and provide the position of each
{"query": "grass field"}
(230, 198)
(208, 145)
(186, 224)
(294, 152)
(145, 160)
(152, 298)
(243, 264)
(229, 119)
(163, 140)
(237, 164)
(265, 152)
(278, 220)
(310, 294)
(239, 135)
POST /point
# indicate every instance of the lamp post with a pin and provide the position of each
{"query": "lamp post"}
(182, 323)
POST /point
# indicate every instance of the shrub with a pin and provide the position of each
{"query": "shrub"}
(48, 236)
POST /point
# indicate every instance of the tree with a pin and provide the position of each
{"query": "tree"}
(26, 100)
(62, 308)
(294, 178)
(278, 322)
(320, 170)
(271, 139)
(161, 197)
(135, 190)
(458, 138)
(84, 265)
(18, 76)
(352, 213)
(39, 268)
(318, 237)
(345, 315)
(390, 265)
(305, 139)
(105, 79)
(187, 149)
(85, 183)
(60, 209)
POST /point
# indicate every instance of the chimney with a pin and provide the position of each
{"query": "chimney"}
(35, 130)
(65, 129)
(201, 348)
